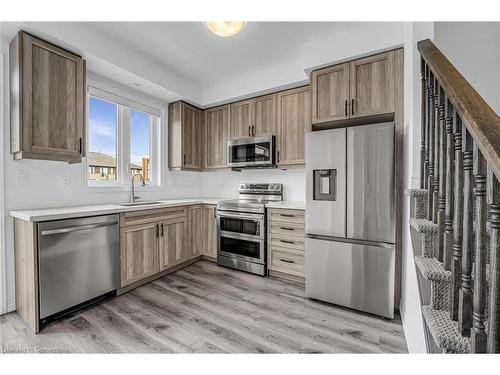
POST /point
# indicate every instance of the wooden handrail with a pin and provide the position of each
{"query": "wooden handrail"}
(481, 121)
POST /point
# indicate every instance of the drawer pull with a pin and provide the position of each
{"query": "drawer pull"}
(285, 228)
(287, 215)
(285, 241)
(287, 261)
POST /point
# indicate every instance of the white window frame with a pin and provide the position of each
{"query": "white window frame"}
(124, 106)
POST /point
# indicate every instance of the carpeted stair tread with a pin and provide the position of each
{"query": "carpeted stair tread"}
(432, 269)
(444, 331)
(417, 193)
(424, 225)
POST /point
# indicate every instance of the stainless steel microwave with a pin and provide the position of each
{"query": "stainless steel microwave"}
(257, 152)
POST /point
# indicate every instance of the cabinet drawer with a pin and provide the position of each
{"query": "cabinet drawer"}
(290, 216)
(148, 216)
(286, 228)
(286, 261)
(293, 243)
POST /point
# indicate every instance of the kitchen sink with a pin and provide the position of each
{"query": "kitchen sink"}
(144, 203)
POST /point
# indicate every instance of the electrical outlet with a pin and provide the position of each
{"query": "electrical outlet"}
(66, 181)
(22, 176)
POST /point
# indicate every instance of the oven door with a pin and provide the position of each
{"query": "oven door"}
(241, 236)
(247, 152)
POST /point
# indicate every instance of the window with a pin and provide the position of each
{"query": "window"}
(121, 136)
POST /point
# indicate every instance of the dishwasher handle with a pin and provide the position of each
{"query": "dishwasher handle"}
(77, 228)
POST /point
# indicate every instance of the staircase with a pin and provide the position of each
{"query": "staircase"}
(455, 215)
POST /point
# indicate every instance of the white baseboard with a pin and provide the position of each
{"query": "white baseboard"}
(11, 305)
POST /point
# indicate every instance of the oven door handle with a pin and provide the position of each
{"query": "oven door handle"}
(235, 215)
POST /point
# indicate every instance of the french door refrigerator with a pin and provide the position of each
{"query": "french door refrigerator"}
(350, 218)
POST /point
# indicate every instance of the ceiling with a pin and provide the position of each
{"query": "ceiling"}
(205, 58)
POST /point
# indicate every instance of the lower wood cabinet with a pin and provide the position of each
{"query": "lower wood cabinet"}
(195, 230)
(173, 243)
(138, 252)
(209, 231)
(285, 240)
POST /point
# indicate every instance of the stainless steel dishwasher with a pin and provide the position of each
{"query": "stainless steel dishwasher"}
(78, 262)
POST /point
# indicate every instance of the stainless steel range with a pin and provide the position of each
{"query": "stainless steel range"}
(241, 227)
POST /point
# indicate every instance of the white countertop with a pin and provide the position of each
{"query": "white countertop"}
(58, 213)
(292, 205)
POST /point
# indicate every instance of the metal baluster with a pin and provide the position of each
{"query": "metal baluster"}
(422, 124)
(478, 334)
(430, 145)
(465, 295)
(427, 125)
(437, 132)
(456, 263)
(494, 305)
(448, 188)
(442, 175)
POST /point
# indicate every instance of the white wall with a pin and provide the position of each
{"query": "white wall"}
(410, 300)
(474, 49)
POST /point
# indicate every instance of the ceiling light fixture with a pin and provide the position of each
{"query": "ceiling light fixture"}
(225, 28)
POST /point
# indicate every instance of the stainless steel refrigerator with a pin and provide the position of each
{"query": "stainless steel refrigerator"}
(350, 224)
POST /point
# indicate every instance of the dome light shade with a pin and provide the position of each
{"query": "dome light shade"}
(225, 28)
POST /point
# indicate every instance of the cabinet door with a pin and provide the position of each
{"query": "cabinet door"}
(194, 231)
(294, 120)
(138, 252)
(264, 116)
(210, 242)
(191, 136)
(52, 101)
(372, 85)
(173, 244)
(216, 137)
(241, 119)
(330, 93)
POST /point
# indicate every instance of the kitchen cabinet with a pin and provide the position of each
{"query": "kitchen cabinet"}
(185, 133)
(254, 118)
(330, 93)
(173, 244)
(138, 252)
(195, 230)
(210, 240)
(372, 85)
(47, 100)
(241, 119)
(294, 120)
(286, 242)
(217, 121)
(359, 88)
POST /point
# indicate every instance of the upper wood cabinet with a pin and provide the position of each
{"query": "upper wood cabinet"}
(255, 117)
(241, 119)
(330, 93)
(363, 87)
(185, 133)
(294, 120)
(372, 85)
(217, 122)
(47, 101)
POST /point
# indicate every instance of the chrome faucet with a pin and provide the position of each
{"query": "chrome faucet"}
(132, 190)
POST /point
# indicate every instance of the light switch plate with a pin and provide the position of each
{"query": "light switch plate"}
(22, 176)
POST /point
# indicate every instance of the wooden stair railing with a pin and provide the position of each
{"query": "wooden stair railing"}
(460, 166)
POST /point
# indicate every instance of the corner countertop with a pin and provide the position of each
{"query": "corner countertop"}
(58, 213)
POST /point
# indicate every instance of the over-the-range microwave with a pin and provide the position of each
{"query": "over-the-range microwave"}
(256, 152)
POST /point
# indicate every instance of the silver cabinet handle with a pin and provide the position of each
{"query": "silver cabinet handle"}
(75, 229)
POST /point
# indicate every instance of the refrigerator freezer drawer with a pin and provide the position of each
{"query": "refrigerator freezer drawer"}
(352, 275)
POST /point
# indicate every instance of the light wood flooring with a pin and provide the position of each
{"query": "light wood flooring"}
(204, 308)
